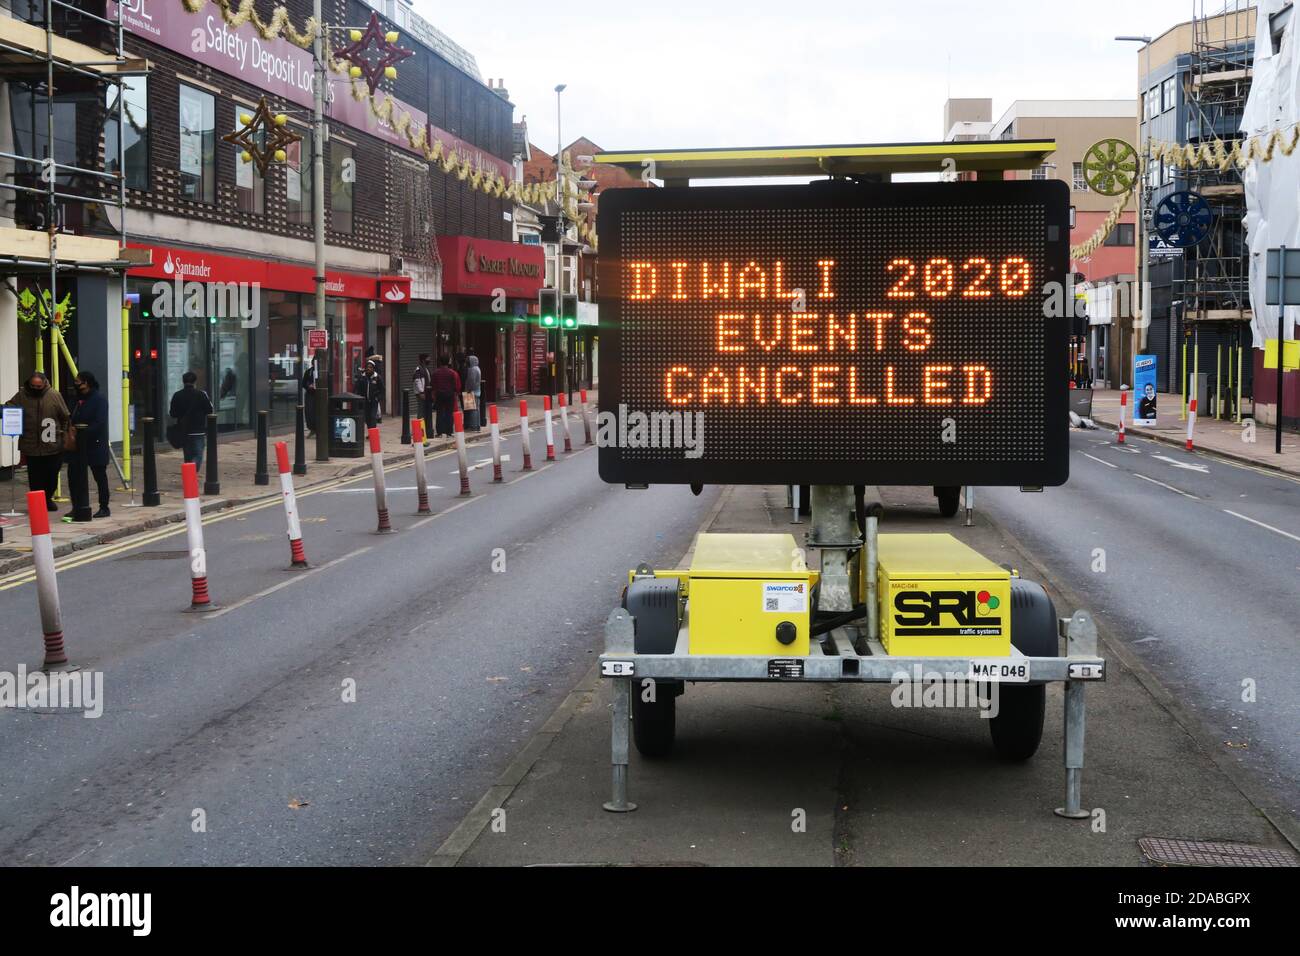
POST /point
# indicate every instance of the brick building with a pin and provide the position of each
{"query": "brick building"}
(210, 219)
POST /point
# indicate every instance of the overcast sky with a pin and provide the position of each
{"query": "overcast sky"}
(691, 73)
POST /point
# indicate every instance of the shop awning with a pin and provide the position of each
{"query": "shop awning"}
(882, 158)
(28, 250)
(22, 48)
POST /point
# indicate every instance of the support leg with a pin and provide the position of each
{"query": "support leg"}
(619, 740)
(1074, 727)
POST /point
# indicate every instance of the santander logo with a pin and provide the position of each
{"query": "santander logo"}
(175, 266)
(395, 294)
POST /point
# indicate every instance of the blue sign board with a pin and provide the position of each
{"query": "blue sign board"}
(1144, 390)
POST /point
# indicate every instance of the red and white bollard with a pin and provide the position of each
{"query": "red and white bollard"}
(421, 473)
(296, 552)
(526, 435)
(1191, 422)
(586, 415)
(459, 423)
(381, 493)
(1123, 407)
(47, 583)
(494, 425)
(564, 422)
(200, 600)
(550, 429)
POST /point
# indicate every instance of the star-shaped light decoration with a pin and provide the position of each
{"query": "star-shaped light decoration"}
(386, 45)
(273, 131)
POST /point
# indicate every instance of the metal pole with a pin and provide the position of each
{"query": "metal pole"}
(323, 383)
(1281, 309)
(1146, 201)
(212, 484)
(150, 498)
(260, 475)
(561, 343)
(618, 802)
(1074, 731)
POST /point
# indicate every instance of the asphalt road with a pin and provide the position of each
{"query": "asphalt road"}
(242, 715)
(1192, 561)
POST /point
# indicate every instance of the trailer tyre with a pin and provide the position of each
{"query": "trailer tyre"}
(654, 724)
(1017, 730)
(949, 500)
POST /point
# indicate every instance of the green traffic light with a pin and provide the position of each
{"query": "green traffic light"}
(570, 323)
(548, 321)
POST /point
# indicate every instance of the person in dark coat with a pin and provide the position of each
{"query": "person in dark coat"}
(422, 388)
(191, 408)
(91, 410)
(309, 398)
(446, 393)
(371, 387)
(45, 419)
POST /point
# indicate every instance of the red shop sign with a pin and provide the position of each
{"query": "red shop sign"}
(481, 266)
(201, 266)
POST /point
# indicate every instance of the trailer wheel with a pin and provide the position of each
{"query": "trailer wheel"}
(1017, 729)
(949, 500)
(654, 724)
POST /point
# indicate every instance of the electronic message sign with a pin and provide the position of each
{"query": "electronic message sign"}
(835, 333)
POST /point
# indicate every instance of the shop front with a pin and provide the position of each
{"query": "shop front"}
(488, 286)
(241, 326)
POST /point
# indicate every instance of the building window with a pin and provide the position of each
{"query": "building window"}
(1153, 172)
(1152, 102)
(1121, 235)
(1039, 173)
(1080, 183)
(343, 174)
(198, 157)
(298, 180)
(250, 187)
(1170, 92)
(135, 125)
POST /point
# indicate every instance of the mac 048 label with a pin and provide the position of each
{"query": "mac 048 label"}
(899, 333)
(786, 597)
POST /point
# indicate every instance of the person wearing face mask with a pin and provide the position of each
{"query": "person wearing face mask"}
(92, 411)
(45, 421)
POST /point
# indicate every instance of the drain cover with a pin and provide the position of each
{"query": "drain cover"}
(154, 556)
(1167, 852)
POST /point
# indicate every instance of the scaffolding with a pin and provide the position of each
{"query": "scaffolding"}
(36, 53)
(1214, 286)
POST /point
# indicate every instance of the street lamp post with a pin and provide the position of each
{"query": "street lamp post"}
(561, 353)
(1144, 200)
(322, 376)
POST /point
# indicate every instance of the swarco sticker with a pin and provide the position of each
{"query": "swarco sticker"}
(786, 597)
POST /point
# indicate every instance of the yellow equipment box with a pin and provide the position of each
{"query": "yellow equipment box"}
(749, 594)
(939, 598)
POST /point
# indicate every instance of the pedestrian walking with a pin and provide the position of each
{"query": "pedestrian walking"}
(446, 393)
(371, 388)
(92, 411)
(373, 357)
(191, 407)
(474, 386)
(422, 389)
(45, 424)
(309, 397)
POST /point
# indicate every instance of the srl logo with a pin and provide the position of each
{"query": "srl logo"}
(926, 608)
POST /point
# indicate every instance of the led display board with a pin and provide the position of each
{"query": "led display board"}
(835, 333)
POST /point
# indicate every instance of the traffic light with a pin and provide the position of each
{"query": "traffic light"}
(568, 311)
(548, 315)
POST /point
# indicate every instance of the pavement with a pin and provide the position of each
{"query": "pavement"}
(823, 775)
(1241, 441)
(238, 465)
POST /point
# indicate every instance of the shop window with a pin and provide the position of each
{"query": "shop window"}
(250, 187)
(135, 131)
(343, 174)
(198, 157)
(298, 180)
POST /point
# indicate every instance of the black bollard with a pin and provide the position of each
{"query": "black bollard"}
(79, 478)
(151, 497)
(406, 416)
(212, 486)
(260, 477)
(300, 441)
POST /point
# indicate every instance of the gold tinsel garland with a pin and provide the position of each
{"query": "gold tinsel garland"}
(485, 180)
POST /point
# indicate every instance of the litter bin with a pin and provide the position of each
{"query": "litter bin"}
(347, 426)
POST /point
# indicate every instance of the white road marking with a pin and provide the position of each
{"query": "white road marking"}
(371, 491)
(298, 576)
(1177, 491)
(1204, 469)
(1285, 534)
(1099, 460)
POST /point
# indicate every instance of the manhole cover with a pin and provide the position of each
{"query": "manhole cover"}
(1166, 852)
(154, 556)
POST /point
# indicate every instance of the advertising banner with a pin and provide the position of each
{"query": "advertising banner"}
(1144, 390)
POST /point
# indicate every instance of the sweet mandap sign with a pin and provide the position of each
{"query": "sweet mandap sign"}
(834, 333)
